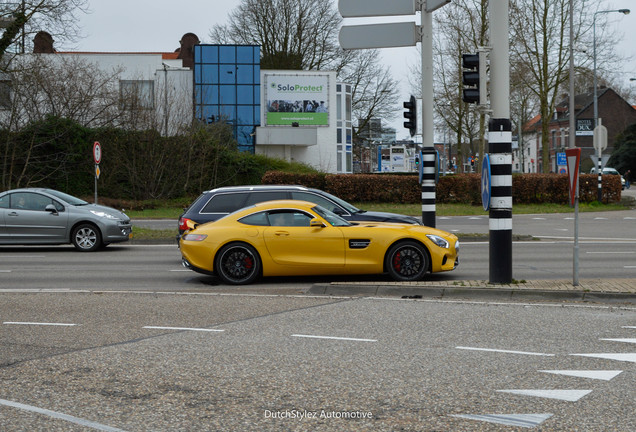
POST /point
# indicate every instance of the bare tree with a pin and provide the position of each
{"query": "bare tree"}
(540, 46)
(293, 34)
(27, 17)
(61, 86)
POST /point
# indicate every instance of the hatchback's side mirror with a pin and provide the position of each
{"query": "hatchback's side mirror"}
(51, 209)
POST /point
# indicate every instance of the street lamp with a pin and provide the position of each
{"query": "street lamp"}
(623, 11)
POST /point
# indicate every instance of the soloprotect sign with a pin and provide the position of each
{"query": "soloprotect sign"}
(301, 99)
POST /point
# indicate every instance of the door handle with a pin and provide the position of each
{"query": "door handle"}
(281, 233)
(12, 214)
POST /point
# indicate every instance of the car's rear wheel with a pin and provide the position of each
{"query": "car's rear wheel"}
(407, 261)
(238, 264)
(86, 238)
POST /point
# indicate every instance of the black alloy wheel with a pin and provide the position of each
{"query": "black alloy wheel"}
(238, 264)
(407, 261)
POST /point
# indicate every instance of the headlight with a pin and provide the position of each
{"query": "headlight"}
(103, 214)
(439, 241)
(194, 237)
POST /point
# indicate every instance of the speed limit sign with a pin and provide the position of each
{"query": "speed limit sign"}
(97, 152)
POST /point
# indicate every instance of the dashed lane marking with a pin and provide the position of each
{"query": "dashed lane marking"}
(39, 324)
(334, 338)
(183, 329)
(60, 416)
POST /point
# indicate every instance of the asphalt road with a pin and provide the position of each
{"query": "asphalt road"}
(209, 362)
(158, 267)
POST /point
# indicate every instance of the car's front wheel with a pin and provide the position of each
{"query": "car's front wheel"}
(407, 261)
(238, 264)
(86, 238)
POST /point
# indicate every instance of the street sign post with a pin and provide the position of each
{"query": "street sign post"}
(486, 182)
(373, 8)
(97, 157)
(573, 156)
(97, 152)
(600, 144)
(390, 35)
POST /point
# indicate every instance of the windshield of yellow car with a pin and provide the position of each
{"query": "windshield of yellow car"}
(332, 218)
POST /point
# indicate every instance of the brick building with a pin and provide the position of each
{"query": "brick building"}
(614, 112)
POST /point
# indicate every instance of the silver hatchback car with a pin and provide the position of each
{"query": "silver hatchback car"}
(46, 216)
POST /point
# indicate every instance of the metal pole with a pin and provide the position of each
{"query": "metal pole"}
(96, 166)
(572, 144)
(500, 147)
(428, 148)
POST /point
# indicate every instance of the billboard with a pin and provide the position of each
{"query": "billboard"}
(297, 99)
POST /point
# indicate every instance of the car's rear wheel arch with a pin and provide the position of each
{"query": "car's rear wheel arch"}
(407, 243)
(238, 254)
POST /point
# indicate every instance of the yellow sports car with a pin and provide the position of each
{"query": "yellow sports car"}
(292, 238)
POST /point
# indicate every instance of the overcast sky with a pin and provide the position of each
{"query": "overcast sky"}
(157, 25)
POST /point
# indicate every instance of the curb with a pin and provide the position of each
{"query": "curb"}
(341, 289)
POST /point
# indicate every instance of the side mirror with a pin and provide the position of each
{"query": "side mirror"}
(316, 223)
(51, 209)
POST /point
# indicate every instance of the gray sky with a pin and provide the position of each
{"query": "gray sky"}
(157, 25)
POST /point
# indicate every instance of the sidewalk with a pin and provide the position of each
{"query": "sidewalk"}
(588, 290)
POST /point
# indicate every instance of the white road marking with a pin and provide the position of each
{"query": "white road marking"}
(621, 340)
(22, 256)
(334, 338)
(522, 420)
(566, 395)
(60, 416)
(628, 357)
(634, 327)
(183, 328)
(504, 351)
(181, 270)
(39, 324)
(610, 252)
(539, 218)
(604, 375)
(5, 271)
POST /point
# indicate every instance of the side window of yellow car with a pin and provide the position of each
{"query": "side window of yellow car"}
(256, 219)
(289, 218)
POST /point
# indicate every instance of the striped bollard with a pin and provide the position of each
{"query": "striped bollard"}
(429, 157)
(500, 216)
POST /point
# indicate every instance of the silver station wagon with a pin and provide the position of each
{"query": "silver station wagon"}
(35, 216)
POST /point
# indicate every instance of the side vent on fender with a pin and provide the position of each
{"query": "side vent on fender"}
(358, 243)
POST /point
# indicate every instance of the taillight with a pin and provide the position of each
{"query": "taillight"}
(183, 224)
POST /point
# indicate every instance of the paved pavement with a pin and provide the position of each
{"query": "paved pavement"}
(588, 290)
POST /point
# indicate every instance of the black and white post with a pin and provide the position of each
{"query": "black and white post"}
(500, 216)
(500, 147)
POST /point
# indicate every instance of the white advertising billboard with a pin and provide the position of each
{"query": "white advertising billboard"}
(301, 99)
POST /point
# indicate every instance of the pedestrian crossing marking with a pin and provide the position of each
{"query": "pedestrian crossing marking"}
(604, 375)
(522, 420)
(566, 395)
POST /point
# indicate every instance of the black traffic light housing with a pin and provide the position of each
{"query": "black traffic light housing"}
(474, 78)
(411, 115)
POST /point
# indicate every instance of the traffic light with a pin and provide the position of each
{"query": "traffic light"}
(474, 78)
(472, 161)
(411, 115)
